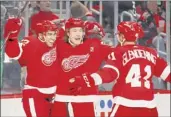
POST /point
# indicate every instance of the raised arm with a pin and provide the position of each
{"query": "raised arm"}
(11, 31)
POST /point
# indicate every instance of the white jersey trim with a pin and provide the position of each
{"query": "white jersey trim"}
(134, 103)
(114, 110)
(165, 73)
(49, 90)
(32, 107)
(79, 98)
(114, 68)
(97, 78)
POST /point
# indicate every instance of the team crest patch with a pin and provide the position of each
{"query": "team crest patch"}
(73, 62)
(49, 57)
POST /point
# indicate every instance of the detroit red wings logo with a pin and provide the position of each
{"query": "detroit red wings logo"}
(74, 61)
(49, 57)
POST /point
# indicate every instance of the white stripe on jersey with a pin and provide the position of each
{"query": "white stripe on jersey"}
(114, 110)
(79, 98)
(49, 90)
(114, 68)
(32, 107)
(97, 78)
(165, 73)
(134, 103)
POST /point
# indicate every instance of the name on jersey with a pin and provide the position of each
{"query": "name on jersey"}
(74, 61)
(49, 57)
(138, 53)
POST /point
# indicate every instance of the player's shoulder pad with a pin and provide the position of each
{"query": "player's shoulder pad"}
(152, 50)
(114, 54)
(117, 50)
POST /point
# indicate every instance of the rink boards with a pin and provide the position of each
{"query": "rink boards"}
(12, 106)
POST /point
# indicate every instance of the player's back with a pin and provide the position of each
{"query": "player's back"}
(137, 66)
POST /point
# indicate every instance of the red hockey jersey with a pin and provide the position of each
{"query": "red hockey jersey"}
(86, 57)
(133, 67)
(40, 60)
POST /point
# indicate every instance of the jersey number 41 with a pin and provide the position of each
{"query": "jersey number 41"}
(134, 76)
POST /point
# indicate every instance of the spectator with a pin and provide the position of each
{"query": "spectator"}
(44, 13)
(3, 12)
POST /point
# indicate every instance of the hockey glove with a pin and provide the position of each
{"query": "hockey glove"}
(12, 28)
(94, 30)
(80, 82)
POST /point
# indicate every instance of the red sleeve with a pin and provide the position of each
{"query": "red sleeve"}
(19, 50)
(109, 72)
(12, 48)
(27, 48)
(162, 69)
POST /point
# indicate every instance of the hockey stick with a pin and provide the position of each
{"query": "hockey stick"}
(18, 15)
(22, 9)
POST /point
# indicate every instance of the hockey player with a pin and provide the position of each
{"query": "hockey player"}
(77, 55)
(40, 57)
(132, 66)
(44, 13)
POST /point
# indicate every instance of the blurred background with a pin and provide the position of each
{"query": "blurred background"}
(154, 16)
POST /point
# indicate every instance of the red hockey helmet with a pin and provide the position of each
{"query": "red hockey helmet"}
(130, 30)
(74, 22)
(45, 26)
(92, 28)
